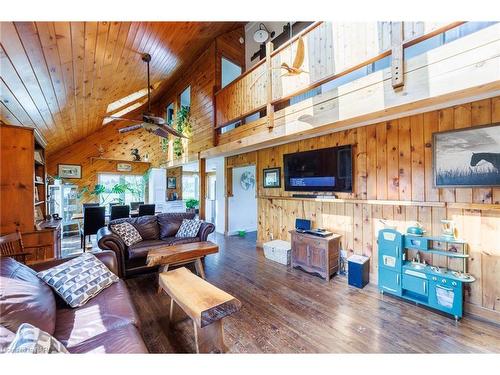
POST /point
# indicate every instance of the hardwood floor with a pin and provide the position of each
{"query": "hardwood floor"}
(288, 311)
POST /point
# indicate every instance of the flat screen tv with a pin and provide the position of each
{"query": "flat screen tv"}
(327, 169)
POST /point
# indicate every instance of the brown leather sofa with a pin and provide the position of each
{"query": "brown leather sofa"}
(108, 323)
(157, 230)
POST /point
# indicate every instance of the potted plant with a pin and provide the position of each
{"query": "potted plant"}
(100, 191)
(192, 205)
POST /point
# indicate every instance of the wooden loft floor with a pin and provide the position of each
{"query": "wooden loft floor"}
(289, 311)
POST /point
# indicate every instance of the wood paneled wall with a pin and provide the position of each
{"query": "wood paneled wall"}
(393, 182)
(116, 147)
(204, 78)
(177, 173)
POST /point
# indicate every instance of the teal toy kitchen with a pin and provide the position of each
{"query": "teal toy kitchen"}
(429, 271)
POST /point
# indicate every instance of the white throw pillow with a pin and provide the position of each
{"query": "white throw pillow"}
(79, 279)
(189, 228)
(32, 340)
(127, 233)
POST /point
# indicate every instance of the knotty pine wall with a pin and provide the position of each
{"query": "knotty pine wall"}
(204, 77)
(116, 147)
(393, 182)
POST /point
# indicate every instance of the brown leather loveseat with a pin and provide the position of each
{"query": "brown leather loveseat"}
(108, 323)
(157, 230)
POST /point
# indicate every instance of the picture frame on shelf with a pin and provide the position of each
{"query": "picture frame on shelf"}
(272, 177)
(38, 214)
(467, 157)
(38, 155)
(171, 182)
(124, 167)
(73, 171)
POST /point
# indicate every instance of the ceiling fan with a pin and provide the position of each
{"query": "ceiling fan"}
(149, 122)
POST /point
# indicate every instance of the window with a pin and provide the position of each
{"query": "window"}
(170, 113)
(190, 186)
(186, 97)
(230, 71)
(120, 188)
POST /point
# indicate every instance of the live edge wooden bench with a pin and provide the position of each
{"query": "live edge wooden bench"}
(166, 256)
(204, 303)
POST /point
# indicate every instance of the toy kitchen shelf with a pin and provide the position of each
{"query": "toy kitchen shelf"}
(437, 286)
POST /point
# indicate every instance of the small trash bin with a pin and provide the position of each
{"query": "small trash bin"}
(358, 273)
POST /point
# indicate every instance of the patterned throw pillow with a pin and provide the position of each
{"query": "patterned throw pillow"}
(127, 233)
(79, 279)
(189, 228)
(32, 340)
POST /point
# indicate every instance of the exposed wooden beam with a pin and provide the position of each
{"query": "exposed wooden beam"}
(269, 91)
(202, 168)
(397, 55)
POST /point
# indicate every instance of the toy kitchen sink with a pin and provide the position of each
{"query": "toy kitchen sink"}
(437, 283)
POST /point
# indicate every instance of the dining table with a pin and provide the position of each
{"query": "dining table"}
(79, 215)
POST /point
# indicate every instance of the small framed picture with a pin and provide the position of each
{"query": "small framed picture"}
(272, 177)
(69, 170)
(171, 182)
(124, 167)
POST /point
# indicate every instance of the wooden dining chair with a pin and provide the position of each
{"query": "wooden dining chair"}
(11, 245)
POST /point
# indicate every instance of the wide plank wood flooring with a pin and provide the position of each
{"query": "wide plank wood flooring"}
(288, 311)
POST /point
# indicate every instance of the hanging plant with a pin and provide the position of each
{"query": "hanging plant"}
(164, 145)
(183, 125)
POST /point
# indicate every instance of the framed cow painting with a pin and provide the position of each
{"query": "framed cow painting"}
(467, 157)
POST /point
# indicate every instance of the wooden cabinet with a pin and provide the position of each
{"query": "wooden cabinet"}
(23, 192)
(318, 255)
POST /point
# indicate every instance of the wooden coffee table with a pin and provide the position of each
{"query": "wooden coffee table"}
(166, 256)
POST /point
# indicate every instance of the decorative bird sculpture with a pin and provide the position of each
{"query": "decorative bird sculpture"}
(295, 69)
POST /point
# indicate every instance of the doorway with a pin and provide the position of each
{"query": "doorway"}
(242, 202)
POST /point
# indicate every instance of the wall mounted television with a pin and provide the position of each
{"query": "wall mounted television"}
(327, 169)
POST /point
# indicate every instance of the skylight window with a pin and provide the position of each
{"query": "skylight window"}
(128, 103)
(124, 111)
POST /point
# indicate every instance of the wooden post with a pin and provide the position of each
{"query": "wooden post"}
(269, 83)
(215, 139)
(203, 187)
(397, 57)
(228, 180)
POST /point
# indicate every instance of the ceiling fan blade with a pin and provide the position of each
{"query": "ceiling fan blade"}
(172, 131)
(160, 132)
(130, 128)
(122, 119)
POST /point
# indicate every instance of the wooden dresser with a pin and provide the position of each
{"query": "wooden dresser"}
(23, 192)
(314, 254)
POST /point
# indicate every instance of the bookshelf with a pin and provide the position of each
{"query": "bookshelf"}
(23, 202)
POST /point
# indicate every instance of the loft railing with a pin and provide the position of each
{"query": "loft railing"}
(331, 51)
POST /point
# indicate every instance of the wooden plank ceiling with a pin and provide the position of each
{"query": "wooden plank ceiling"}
(60, 77)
